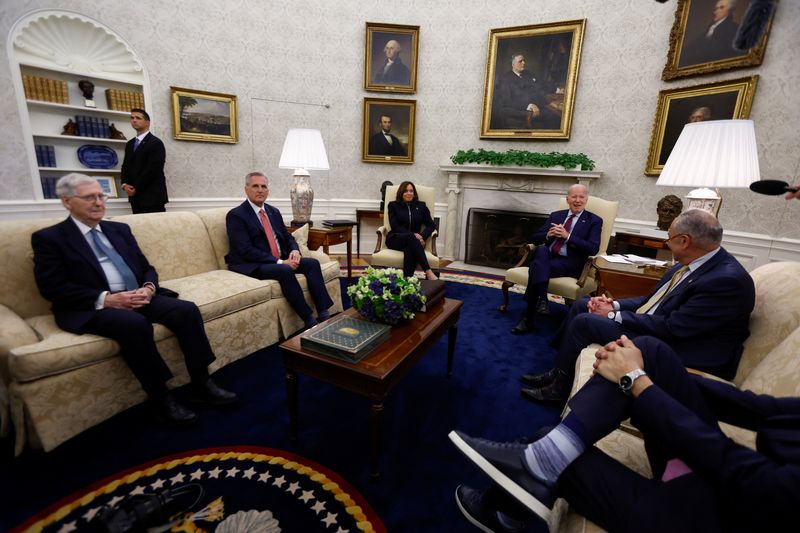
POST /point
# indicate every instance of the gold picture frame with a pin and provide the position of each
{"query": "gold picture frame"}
(390, 58)
(692, 51)
(108, 184)
(203, 116)
(536, 103)
(731, 99)
(397, 144)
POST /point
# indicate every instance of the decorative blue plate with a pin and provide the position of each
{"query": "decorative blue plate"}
(97, 156)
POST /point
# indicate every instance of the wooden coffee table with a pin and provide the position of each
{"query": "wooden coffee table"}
(375, 375)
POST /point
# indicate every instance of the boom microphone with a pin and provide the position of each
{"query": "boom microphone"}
(771, 187)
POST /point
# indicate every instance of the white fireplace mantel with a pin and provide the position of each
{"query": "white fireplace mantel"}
(505, 179)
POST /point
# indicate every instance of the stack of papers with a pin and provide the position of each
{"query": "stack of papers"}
(631, 259)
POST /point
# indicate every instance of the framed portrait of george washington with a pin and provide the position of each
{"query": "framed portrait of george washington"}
(388, 131)
(702, 36)
(722, 100)
(391, 57)
(531, 77)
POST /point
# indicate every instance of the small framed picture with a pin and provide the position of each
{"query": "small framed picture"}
(391, 58)
(203, 116)
(722, 100)
(701, 40)
(388, 131)
(108, 184)
(531, 81)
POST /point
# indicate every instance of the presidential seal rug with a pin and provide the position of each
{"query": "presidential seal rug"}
(236, 489)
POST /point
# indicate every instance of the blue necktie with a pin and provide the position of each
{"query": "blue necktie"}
(136, 143)
(117, 260)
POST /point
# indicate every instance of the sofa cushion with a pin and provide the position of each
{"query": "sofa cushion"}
(778, 374)
(221, 292)
(214, 221)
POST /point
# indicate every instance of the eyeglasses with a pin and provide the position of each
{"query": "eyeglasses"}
(676, 236)
(91, 198)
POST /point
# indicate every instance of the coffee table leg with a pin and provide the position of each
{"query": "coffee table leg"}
(376, 414)
(451, 348)
(291, 393)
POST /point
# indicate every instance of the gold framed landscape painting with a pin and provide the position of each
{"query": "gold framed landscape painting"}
(731, 99)
(203, 116)
(531, 77)
(391, 57)
(388, 130)
(701, 40)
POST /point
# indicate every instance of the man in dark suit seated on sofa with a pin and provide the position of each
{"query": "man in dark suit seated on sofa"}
(100, 282)
(702, 480)
(261, 247)
(701, 308)
(565, 240)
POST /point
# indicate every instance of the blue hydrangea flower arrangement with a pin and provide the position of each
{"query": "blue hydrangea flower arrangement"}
(385, 295)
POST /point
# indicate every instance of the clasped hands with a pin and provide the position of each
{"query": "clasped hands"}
(129, 300)
(130, 190)
(420, 239)
(293, 260)
(617, 358)
(600, 305)
(557, 231)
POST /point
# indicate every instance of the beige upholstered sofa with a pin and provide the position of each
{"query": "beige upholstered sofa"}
(57, 384)
(770, 365)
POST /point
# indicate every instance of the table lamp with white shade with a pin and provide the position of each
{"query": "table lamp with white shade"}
(714, 153)
(303, 150)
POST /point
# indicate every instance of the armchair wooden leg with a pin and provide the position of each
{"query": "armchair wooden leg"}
(504, 288)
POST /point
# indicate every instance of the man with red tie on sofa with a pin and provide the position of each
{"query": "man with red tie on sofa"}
(262, 248)
(567, 238)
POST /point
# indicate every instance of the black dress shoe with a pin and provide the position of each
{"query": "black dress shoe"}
(542, 307)
(323, 316)
(503, 462)
(524, 326)
(556, 392)
(475, 508)
(539, 380)
(170, 411)
(210, 393)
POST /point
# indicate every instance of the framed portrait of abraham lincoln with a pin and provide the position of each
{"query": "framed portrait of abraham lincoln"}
(702, 38)
(531, 80)
(391, 57)
(388, 130)
(730, 99)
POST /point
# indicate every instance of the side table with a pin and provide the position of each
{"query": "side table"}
(365, 213)
(624, 281)
(327, 237)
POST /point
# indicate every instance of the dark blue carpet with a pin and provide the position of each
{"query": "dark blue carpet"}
(420, 468)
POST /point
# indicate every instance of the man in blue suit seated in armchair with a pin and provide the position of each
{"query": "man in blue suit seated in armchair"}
(100, 282)
(566, 239)
(261, 247)
(701, 308)
(702, 480)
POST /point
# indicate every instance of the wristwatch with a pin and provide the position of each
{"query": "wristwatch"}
(612, 315)
(626, 381)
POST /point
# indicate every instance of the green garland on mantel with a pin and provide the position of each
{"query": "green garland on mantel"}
(524, 158)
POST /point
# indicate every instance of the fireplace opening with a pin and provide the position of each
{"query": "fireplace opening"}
(494, 238)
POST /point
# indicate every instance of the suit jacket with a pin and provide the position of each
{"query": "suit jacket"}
(584, 239)
(756, 492)
(249, 247)
(705, 318)
(378, 145)
(409, 218)
(144, 169)
(68, 273)
(512, 95)
(397, 74)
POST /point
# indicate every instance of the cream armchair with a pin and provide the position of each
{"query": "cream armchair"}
(570, 288)
(384, 256)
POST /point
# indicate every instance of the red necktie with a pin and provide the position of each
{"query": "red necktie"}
(273, 244)
(559, 243)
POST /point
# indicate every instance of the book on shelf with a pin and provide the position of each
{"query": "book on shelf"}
(345, 337)
(336, 223)
(433, 290)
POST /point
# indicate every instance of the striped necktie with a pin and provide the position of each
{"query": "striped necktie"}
(119, 263)
(659, 295)
(559, 243)
(273, 244)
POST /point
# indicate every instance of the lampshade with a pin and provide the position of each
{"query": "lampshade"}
(304, 149)
(714, 153)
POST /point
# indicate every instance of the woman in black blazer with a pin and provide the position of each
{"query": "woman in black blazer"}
(406, 217)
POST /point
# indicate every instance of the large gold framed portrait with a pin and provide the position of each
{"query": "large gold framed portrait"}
(531, 77)
(722, 100)
(701, 40)
(203, 116)
(391, 57)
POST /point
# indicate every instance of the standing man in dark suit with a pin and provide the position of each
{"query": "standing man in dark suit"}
(143, 167)
(702, 480)
(383, 142)
(262, 248)
(565, 240)
(701, 308)
(100, 282)
(393, 71)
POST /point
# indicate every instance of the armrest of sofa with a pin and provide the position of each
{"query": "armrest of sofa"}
(14, 332)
